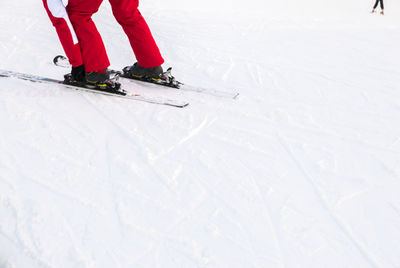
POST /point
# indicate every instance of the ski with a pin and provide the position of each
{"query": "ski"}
(167, 80)
(120, 93)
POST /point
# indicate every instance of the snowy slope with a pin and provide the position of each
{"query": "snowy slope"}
(303, 170)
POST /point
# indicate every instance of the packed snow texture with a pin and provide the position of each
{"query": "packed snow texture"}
(303, 170)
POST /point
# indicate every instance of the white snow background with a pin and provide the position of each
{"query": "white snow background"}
(303, 170)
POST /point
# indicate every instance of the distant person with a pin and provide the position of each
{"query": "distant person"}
(376, 4)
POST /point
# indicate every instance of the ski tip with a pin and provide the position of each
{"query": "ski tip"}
(57, 58)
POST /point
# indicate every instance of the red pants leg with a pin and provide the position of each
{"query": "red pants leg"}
(58, 16)
(93, 51)
(135, 27)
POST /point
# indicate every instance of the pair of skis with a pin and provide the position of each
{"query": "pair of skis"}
(168, 80)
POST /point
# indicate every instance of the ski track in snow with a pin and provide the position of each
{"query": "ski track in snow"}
(303, 170)
(335, 219)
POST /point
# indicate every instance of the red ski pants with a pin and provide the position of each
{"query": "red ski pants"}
(82, 42)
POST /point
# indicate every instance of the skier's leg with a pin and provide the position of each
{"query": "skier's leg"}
(382, 7)
(58, 16)
(376, 4)
(93, 51)
(135, 27)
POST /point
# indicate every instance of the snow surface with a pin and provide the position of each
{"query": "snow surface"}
(303, 170)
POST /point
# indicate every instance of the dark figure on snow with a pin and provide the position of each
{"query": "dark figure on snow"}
(376, 4)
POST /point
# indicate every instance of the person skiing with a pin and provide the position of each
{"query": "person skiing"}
(84, 46)
(376, 4)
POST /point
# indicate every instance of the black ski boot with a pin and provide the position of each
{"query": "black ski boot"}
(153, 75)
(100, 80)
(138, 72)
(78, 74)
(94, 80)
(76, 77)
